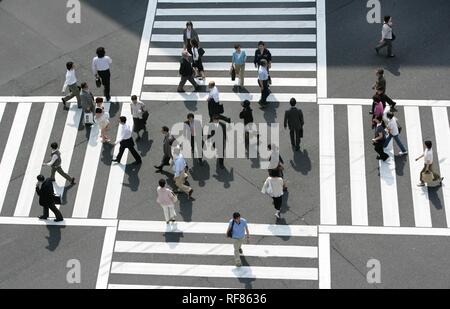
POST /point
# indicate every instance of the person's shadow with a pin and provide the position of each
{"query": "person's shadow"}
(144, 145)
(434, 197)
(400, 162)
(225, 176)
(132, 170)
(246, 281)
(107, 154)
(54, 237)
(191, 105)
(200, 173)
(185, 207)
(270, 112)
(301, 162)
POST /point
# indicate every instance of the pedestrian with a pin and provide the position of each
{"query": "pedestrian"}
(262, 53)
(194, 130)
(138, 110)
(378, 110)
(71, 82)
(387, 37)
(273, 186)
(188, 34)
(167, 199)
(180, 175)
(125, 140)
(394, 132)
(186, 72)
(214, 105)
(247, 115)
(87, 102)
(44, 189)
(293, 119)
(55, 164)
(428, 165)
(276, 168)
(99, 103)
(197, 59)
(167, 148)
(237, 228)
(263, 81)
(238, 63)
(379, 140)
(102, 120)
(101, 69)
(217, 126)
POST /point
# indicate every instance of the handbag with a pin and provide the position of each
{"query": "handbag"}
(57, 199)
(89, 118)
(230, 232)
(427, 177)
(98, 82)
(220, 109)
(174, 198)
(145, 116)
(201, 52)
(233, 73)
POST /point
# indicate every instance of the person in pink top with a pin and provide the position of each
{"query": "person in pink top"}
(167, 199)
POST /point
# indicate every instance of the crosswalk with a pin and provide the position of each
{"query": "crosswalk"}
(358, 190)
(147, 254)
(290, 36)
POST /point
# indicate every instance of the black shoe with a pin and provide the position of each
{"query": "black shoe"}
(297, 148)
(59, 220)
(72, 182)
(43, 218)
(115, 161)
(158, 168)
(108, 99)
(181, 91)
(190, 195)
(138, 162)
(240, 251)
(64, 104)
(370, 113)
(391, 56)
(378, 158)
(377, 51)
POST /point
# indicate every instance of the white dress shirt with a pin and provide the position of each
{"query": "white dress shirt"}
(124, 133)
(100, 64)
(428, 156)
(393, 127)
(386, 32)
(276, 184)
(214, 94)
(137, 110)
(179, 165)
(262, 73)
(71, 79)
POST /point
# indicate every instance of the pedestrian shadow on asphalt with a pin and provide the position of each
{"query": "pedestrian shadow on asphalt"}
(185, 207)
(270, 112)
(191, 105)
(173, 237)
(246, 281)
(200, 173)
(66, 191)
(393, 66)
(114, 108)
(434, 197)
(225, 176)
(107, 154)
(144, 145)
(301, 162)
(54, 237)
(400, 162)
(132, 171)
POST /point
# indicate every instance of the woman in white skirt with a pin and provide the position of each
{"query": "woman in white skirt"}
(102, 120)
(167, 199)
(274, 188)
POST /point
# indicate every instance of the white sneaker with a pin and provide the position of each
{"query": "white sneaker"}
(421, 184)
(238, 264)
(277, 214)
(403, 153)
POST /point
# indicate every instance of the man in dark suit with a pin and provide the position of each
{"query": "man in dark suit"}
(294, 119)
(186, 72)
(167, 149)
(213, 131)
(44, 189)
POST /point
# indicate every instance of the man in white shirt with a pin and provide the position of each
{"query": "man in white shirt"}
(55, 164)
(100, 69)
(124, 138)
(263, 80)
(179, 168)
(71, 82)
(428, 167)
(387, 36)
(214, 106)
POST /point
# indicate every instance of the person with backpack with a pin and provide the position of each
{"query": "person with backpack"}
(237, 228)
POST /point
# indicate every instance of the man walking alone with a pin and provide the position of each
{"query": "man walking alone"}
(44, 189)
(294, 119)
(55, 164)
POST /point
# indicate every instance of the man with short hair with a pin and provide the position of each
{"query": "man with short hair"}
(87, 100)
(186, 72)
(379, 140)
(125, 140)
(167, 149)
(71, 82)
(237, 227)
(44, 189)
(180, 175)
(387, 37)
(214, 106)
(194, 129)
(294, 119)
(55, 164)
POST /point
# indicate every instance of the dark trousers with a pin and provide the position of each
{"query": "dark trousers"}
(183, 81)
(277, 202)
(165, 161)
(295, 136)
(53, 208)
(106, 81)
(265, 91)
(385, 99)
(386, 43)
(379, 148)
(195, 146)
(128, 144)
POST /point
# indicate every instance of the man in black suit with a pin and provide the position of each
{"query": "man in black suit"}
(167, 149)
(44, 189)
(214, 127)
(294, 119)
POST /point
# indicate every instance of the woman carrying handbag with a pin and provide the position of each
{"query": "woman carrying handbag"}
(273, 186)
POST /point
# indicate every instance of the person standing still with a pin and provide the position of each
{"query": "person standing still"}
(167, 149)
(125, 140)
(293, 119)
(186, 72)
(71, 82)
(379, 140)
(101, 69)
(166, 199)
(137, 110)
(428, 164)
(387, 37)
(55, 164)
(273, 186)
(238, 63)
(44, 189)
(237, 227)
(180, 175)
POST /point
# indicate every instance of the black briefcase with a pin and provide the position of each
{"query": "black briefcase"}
(57, 199)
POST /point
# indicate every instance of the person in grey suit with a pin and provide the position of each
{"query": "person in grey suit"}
(294, 119)
(167, 149)
(87, 99)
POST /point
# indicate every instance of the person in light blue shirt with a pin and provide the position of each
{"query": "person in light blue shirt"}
(238, 64)
(179, 168)
(237, 228)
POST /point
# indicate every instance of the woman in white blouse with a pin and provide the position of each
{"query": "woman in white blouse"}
(100, 68)
(428, 167)
(166, 199)
(274, 188)
(102, 120)
(197, 59)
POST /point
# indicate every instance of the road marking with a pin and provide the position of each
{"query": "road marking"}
(225, 66)
(422, 213)
(88, 172)
(227, 52)
(49, 99)
(2, 110)
(227, 97)
(66, 222)
(216, 228)
(324, 261)
(230, 1)
(368, 102)
(358, 186)
(156, 287)
(327, 166)
(382, 230)
(214, 249)
(106, 258)
(235, 12)
(283, 24)
(322, 78)
(389, 197)
(35, 160)
(215, 271)
(12, 148)
(442, 133)
(67, 146)
(222, 81)
(236, 38)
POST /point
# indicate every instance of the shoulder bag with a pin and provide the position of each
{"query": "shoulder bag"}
(230, 232)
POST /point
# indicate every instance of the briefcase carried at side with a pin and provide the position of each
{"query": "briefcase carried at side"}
(233, 73)
(57, 199)
(98, 82)
(427, 177)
